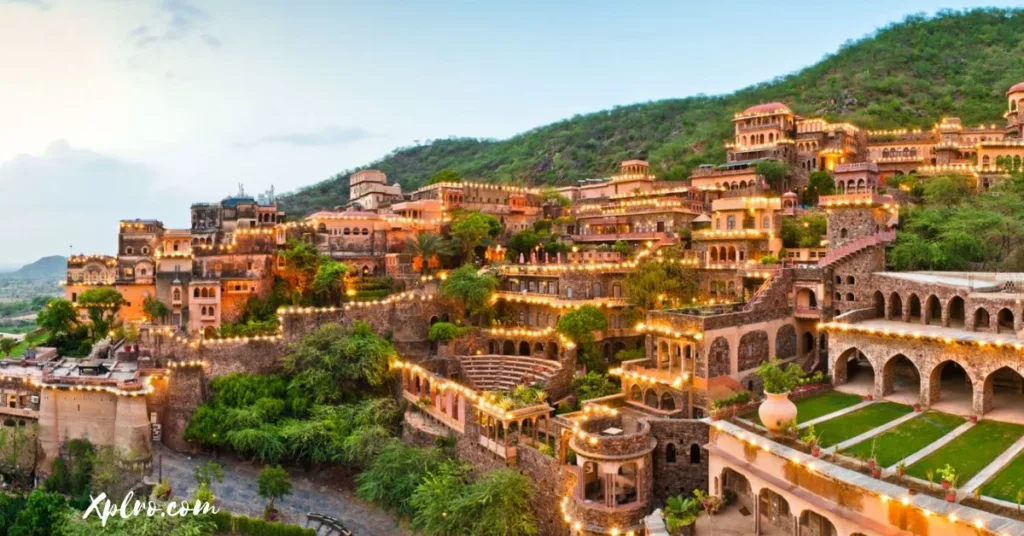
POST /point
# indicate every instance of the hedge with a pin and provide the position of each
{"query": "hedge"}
(228, 523)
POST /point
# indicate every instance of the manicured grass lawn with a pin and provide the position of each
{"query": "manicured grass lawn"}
(907, 438)
(19, 349)
(856, 423)
(809, 409)
(1006, 482)
(970, 452)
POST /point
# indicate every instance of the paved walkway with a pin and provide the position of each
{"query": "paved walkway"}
(915, 457)
(874, 431)
(835, 414)
(237, 493)
(991, 469)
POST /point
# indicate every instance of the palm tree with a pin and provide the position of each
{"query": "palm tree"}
(425, 246)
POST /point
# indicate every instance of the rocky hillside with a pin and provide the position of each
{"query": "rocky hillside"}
(909, 74)
(52, 267)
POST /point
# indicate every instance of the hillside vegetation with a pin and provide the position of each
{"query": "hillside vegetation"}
(908, 74)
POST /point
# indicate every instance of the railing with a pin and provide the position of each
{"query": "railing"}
(856, 246)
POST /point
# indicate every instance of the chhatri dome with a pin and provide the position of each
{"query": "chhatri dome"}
(767, 108)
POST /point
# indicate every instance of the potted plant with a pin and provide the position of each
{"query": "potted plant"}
(811, 438)
(917, 408)
(901, 469)
(974, 419)
(951, 491)
(777, 409)
(931, 478)
(681, 513)
(873, 461)
(948, 476)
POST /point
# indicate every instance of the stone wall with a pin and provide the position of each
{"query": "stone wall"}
(680, 476)
(187, 389)
(550, 484)
(753, 349)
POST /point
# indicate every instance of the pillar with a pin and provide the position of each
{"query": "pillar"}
(982, 400)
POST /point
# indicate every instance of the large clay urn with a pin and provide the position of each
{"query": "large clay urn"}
(776, 411)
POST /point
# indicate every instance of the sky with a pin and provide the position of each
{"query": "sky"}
(118, 109)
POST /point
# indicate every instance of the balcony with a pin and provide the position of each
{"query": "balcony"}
(612, 237)
(806, 312)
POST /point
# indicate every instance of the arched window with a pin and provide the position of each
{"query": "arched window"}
(670, 453)
(347, 231)
(195, 292)
(694, 453)
(843, 233)
(366, 231)
(850, 280)
(177, 294)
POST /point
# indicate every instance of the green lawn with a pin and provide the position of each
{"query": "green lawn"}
(809, 409)
(857, 422)
(19, 349)
(907, 438)
(972, 451)
(1006, 482)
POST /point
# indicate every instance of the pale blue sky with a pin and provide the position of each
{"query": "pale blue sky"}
(115, 109)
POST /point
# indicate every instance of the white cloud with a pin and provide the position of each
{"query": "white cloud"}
(314, 138)
(71, 196)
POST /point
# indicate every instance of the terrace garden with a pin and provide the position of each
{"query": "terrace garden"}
(853, 424)
(907, 438)
(814, 407)
(970, 452)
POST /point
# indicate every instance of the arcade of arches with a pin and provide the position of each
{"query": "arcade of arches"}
(965, 380)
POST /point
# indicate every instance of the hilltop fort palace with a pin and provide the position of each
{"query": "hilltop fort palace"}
(687, 415)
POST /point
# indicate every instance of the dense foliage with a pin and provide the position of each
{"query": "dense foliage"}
(908, 74)
(470, 288)
(330, 407)
(657, 284)
(593, 385)
(955, 227)
(805, 231)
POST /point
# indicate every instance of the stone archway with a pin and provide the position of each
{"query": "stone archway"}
(955, 316)
(895, 307)
(950, 388)
(878, 301)
(785, 342)
(774, 510)
(509, 348)
(736, 487)
(524, 349)
(900, 378)
(1003, 396)
(914, 307)
(651, 398)
(753, 350)
(852, 372)
(814, 523)
(1004, 321)
(933, 311)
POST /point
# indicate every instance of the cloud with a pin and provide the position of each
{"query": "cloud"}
(71, 196)
(179, 20)
(41, 5)
(314, 138)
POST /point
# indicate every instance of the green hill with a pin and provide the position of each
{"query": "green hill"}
(52, 268)
(908, 74)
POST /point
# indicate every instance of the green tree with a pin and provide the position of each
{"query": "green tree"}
(7, 345)
(470, 288)
(329, 282)
(425, 246)
(445, 331)
(42, 516)
(498, 505)
(804, 231)
(580, 324)
(593, 385)
(655, 283)
(551, 195)
(393, 476)
(58, 317)
(819, 183)
(681, 512)
(208, 473)
(102, 305)
(522, 243)
(445, 175)
(10, 506)
(155, 309)
(436, 499)
(334, 364)
(301, 262)
(473, 229)
(272, 484)
(621, 247)
(948, 190)
(774, 172)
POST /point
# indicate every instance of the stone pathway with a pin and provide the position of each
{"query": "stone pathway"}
(915, 457)
(237, 494)
(991, 469)
(874, 431)
(835, 414)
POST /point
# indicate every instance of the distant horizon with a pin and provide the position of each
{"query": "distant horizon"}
(138, 110)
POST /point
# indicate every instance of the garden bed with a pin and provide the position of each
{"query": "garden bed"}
(907, 438)
(971, 451)
(1007, 482)
(853, 424)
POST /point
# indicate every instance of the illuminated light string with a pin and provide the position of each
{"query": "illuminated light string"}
(530, 334)
(816, 465)
(610, 303)
(917, 335)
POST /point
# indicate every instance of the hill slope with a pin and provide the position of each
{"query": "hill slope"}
(52, 267)
(908, 74)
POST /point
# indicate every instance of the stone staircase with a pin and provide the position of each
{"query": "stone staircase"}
(503, 372)
(765, 290)
(852, 248)
(325, 525)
